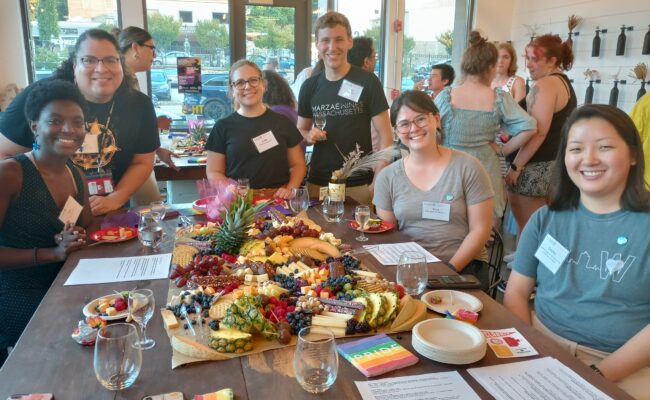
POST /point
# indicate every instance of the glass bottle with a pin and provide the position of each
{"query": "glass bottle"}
(337, 186)
(641, 91)
(613, 95)
(620, 43)
(595, 45)
(646, 42)
(589, 94)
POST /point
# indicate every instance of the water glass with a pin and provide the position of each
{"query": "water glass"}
(150, 230)
(332, 209)
(159, 207)
(299, 199)
(243, 186)
(117, 360)
(362, 215)
(141, 307)
(412, 272)
(316, 362)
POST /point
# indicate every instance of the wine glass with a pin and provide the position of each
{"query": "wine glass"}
(150, 230)
(141, 307)
(159, 207)
(117, 360)
(299, 199)
(412, 272)
(315, 361)
(362, 215)
(320, 121)
(243, 186)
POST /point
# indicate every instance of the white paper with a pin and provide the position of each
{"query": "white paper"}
(388, 254)
(120, 269)
(435, 386)
(508, 343)
(543, 378)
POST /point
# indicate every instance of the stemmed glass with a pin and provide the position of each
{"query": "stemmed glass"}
(299, 199)
(117, 360)
(158, 207)
(316, 362)
(412, 272)
(362, 215)
(141, 307)
(320, 121)
(243, 186)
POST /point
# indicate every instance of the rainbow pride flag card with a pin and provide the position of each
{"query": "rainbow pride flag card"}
(376, 355)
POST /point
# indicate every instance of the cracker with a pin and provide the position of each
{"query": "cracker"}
(183, 254)
(218, 310)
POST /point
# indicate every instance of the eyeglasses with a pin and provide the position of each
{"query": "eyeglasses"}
(420, 121)
(252, 82)
(149, 46)
(92, 62)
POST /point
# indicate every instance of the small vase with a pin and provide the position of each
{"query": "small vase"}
(620, 43)
(613, 95)
(589, 94)
(595, 45)
(646, 43)
(641, 91)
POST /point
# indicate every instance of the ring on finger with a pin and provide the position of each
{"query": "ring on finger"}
(58, 238)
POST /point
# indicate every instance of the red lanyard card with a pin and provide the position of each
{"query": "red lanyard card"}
(100, 183)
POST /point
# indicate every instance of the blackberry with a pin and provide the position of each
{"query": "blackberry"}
(351, 327)
(363, 327)
(214, 325)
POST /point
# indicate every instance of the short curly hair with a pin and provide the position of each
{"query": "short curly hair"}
(46, 91)
(277, 90)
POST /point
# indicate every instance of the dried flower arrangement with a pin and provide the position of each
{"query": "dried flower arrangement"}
(197, 129)
(640, 72)
(591, 74)
(573, 22)
(354, 163)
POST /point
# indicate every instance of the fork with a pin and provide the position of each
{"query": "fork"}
(188, 321)
(199, 317)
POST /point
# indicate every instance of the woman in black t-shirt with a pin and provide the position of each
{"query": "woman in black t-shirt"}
(255, 142)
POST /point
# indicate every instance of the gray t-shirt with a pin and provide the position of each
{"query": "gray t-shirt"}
(600, 295)
(463, 183)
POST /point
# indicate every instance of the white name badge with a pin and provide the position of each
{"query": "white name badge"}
(435, 210)
(350, 91)
(551, 253)
(265, 141)
(322, 192)
(71, 211)
(90, 145)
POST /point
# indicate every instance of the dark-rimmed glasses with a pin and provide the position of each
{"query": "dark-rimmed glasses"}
(92, 62)
(252, 82)
(421, 121)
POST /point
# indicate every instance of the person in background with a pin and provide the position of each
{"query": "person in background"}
(472, 114)
(306, 73)
(123, 135)
(271, 64)
(278, 95)
(34, 187)
(592, 299)
(550, 101)
(363, 53)
(138, 49)
(506, 70)
(350, 98)
(432, 177)
(442, 76)
(641, 116)
(255, 142)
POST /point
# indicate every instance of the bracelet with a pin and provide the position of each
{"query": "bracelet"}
(596, 369)
(501, 150)
(452, 266)
(34, 255)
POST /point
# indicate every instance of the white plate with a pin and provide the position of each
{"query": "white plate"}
(452, 300)
(449, 341)
(89, 309)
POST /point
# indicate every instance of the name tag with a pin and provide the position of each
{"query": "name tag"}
(90, 145)
(265, 141)
(551, 253)
(435, 210)
(100, 184)
(322, 192)
(350, 91)
(71, 211)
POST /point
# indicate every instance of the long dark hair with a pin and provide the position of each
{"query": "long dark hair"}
(129, 35)
(564, 194)
(277, 91)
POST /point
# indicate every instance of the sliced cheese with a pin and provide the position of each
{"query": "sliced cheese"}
(330, 322)
(340, 316)
(337, 332)
(169, 319)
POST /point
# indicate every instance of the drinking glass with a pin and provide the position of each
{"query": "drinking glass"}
(299, 199)
(315, 362)
(412, 272)
(159, 207)
(141, 307)
(150, 230)
(332, 209)
(117, 360)
(362, 215)
(243, 186)
(320, 121)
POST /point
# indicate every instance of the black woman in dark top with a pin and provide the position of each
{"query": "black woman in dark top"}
(34, 187)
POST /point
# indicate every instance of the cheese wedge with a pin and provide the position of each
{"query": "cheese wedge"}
(169, 319)
(407, 309)
(419, 315)
(194, 349)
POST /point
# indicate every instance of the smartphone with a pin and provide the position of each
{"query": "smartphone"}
(166, 396)
(453, 282)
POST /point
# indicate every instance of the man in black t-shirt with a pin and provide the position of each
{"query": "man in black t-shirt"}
(350, 99)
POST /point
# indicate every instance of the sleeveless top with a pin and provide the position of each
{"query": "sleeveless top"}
(548, 150)
(507, 87)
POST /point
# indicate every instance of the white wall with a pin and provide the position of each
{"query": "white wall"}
(493, 18)
(13, 67)
(552, 15)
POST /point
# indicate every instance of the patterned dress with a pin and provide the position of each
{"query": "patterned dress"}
(31, 220)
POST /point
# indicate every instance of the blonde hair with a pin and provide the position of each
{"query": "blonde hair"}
(512, 68)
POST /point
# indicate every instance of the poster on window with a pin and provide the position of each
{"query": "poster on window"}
(189, 74)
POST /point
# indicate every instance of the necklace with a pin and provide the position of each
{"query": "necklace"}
(104, 136)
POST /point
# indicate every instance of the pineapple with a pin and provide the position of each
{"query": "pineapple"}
(227, 340)
(392, 300)
(364, 315)
(244, 315)
(236, 219)
(378, 309)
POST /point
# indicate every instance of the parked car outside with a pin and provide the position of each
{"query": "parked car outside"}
(287, 63)
(213, 102)
(160, 84)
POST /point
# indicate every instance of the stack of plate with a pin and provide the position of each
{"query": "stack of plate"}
(448, 341)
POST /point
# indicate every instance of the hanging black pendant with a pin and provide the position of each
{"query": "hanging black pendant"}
(646, 43)
(589, 94)
(620, 43)
(641, 91)
(595, 45)
(570, 39)
(613, 95)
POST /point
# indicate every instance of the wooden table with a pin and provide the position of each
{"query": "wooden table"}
(187, 171)
(47, 360)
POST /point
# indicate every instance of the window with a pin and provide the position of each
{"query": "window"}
(54, 27)
(365, 20)
(185, 16)
(222, 17)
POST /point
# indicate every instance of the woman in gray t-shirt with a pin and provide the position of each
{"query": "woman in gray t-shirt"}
(440, 197)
